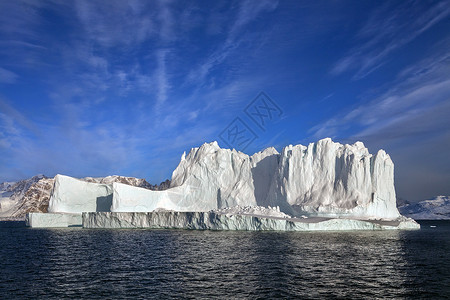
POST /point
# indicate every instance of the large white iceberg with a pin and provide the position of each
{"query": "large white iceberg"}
(324, 179)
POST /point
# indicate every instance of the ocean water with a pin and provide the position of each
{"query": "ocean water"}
(164, 264)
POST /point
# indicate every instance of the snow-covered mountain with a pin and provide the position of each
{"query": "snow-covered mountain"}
(402, 201)
(434, 209)
(29, 195)
(33, 194)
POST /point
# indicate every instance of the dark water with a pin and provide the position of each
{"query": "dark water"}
(136, 264)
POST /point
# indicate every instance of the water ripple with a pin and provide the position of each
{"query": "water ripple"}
(173, 264)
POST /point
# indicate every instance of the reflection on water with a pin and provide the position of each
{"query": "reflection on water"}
(77, 263)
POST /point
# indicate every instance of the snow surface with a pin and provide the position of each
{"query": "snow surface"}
(433, 209)
(214, 221)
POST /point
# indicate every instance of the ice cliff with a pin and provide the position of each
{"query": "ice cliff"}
(323, 179)
(331, 179)
(214, 220)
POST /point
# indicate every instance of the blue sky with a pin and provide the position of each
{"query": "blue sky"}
(94, 88)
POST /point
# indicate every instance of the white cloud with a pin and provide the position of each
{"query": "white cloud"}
(115, 23)
(18, 19)
(15, 119)
(418, 88)
(386, 30)
(387, 112)
(7, 76)
(166, 21)
(248, 11)
(161, 78)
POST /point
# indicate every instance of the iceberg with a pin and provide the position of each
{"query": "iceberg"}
(324, 180)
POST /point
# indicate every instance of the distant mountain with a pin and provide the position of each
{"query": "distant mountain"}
(26, 195)
(433, 209)
(402, 202)
(33, 194)
(139, 182)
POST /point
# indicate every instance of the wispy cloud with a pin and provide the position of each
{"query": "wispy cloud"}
(17, 19)
(7, 76)
(15, 117)
(72, 147)
(166, 22)
(422, 92)
(386, 30)
(115, 23)
(161, 78)
(21, 39)
(247, 12)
